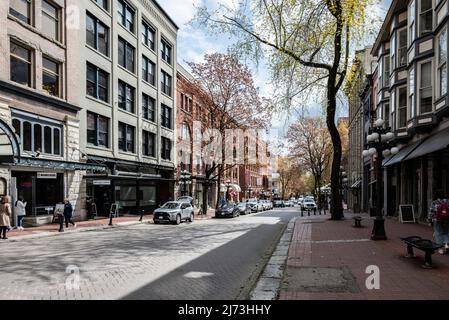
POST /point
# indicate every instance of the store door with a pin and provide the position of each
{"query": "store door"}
(103, 199)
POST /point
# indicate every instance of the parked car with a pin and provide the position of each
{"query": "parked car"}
(174, 212)
(227, 210)
(266, 204)
(288, 203)
(278, 204)
(255, 205)
(244, 208)
(270, 204)
(308, 204)
(185, 199)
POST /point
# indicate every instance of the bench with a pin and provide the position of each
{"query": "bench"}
(357, 221)
(428, 246)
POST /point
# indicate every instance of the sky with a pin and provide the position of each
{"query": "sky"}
(194, 41)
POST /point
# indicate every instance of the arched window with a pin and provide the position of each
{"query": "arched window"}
(47, 139)
(26, 139)
(37, 137)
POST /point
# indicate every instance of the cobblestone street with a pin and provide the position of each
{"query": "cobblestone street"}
(209, 259)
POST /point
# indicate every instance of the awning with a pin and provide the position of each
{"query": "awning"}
(236, 187)
(386, 160)
(404, 152)
(434, 143)
(356, 184)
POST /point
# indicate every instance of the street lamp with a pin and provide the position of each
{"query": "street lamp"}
(380, 144)
(249, 189)
(185, 180)
(228, 185)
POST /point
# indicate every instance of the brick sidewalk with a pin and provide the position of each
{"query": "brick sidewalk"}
(99, 222)
(322, 247)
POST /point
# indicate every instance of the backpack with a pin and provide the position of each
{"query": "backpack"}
(443, 211)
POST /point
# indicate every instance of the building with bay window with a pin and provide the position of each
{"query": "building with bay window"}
(87, 104)
(411, 96)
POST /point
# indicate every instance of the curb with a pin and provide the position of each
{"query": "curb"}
(267, 287)
(55, 233)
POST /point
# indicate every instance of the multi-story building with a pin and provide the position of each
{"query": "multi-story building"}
(189, 156)
(126, 63)
(39, 117)
(412, 98)
(87, 87)
(360, 69)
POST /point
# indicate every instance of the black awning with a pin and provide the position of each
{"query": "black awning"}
(54, 164)
(434, 143)
(403, 153)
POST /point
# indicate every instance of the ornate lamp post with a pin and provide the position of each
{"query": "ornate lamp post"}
(380, 144)
(185, 180)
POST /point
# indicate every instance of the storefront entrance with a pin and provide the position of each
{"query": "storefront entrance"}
(40, 190)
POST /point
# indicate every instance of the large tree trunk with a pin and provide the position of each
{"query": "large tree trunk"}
(220, 171)
(336, 208)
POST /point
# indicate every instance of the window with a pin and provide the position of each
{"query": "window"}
(21, 9)
(386, 115)
(148, 35)
(411, 22)
(148, 70)
(411, 96)
(425, 17)
(38, 135)
(97, 84)
(50, 20)
(425, 87)
(50, 76)
(20, 64)
(402, 48)
(126, 96)
(381, 72)
(402, 107)
(393, 51)
(126, 15)
(97, 130)
(125, 55)
(166, 83)
(148, 104)
(165, 148)
(442, 62)
(103, 4)
(165, 116)
(393, 105)
(148, 145)
(387, 72)
(97, 34)
(126, 137)
(185, 132)
(166, 50)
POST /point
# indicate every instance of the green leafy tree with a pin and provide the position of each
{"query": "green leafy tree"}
(307, 44)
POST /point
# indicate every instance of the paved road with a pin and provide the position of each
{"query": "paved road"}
(209, 259)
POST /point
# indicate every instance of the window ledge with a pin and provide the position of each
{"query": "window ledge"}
(99, 148)
(127, 112)
(98, 52)
(126, 70)
(102, 9)
(149, 121)
(149, 83)
(124, 28)
(98, 100)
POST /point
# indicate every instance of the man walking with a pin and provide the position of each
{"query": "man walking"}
(68, 212)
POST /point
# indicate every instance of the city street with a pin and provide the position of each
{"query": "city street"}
(208, 259)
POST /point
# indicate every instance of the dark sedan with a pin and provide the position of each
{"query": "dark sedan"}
(227, 210)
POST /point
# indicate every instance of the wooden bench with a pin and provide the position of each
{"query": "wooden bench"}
(428, 246)
(357, 221)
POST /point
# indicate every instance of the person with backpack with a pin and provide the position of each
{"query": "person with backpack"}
(439, 216)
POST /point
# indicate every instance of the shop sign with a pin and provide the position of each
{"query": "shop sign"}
(102, 182)
(47, 175)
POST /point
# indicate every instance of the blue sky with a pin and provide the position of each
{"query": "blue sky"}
(194, 42)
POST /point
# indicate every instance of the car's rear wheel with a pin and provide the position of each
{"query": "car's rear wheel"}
(192, 217)
(178, 219)
(156, 222)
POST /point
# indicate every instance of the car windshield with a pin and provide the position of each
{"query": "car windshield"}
(171, 205)
(226, 206)
(309, 200)
(241, 204)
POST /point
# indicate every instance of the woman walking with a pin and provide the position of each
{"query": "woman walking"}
(439, 216)
(20, 210)
(5, 214)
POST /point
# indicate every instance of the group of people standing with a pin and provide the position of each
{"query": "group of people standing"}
(20, 210)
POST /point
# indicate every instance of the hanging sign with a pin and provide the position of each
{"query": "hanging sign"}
(47, 175)
(102, 182)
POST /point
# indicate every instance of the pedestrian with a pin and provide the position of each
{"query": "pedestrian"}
(439, 216)
(20, 206)
(5, 214)
(68, 213)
